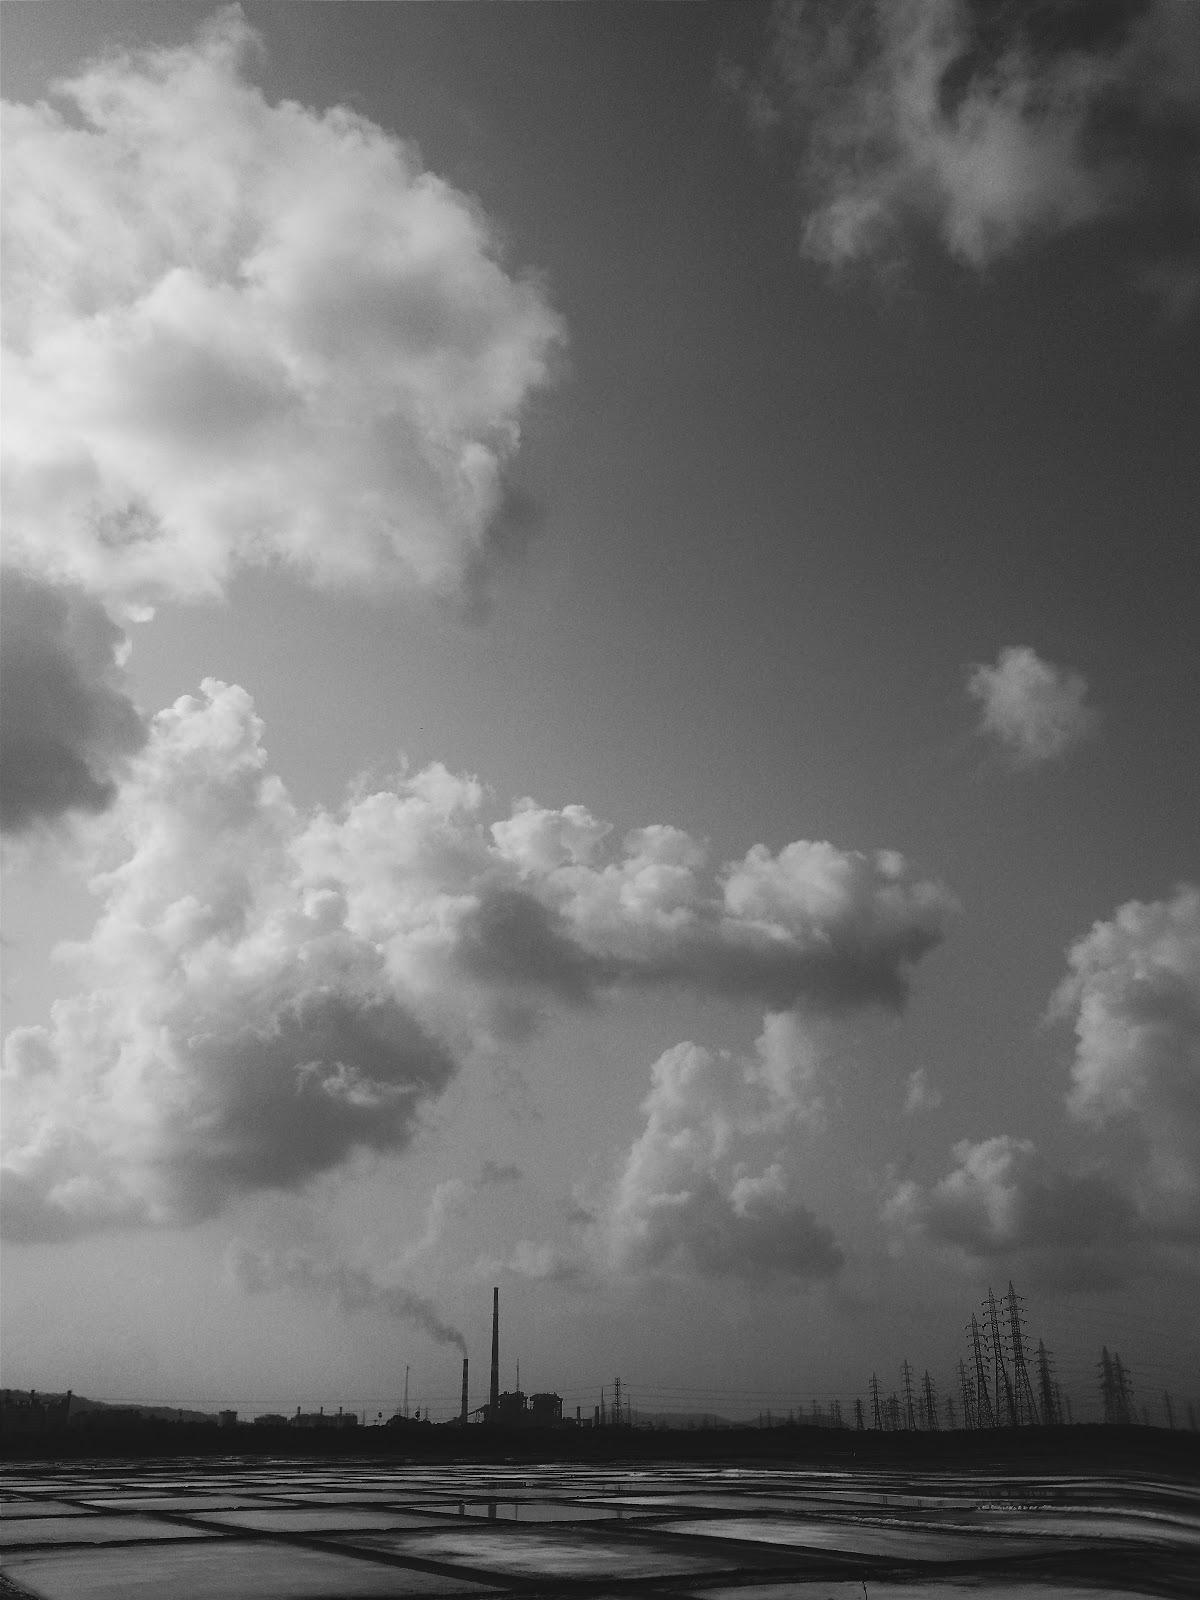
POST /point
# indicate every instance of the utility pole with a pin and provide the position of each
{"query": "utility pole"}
(909, 1411)
(984, 1417)
(1005, 1406)
(876, 1415)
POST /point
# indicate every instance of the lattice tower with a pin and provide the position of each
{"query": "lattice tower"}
(1005, 1406)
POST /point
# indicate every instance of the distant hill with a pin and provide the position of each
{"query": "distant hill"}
(682, 1419)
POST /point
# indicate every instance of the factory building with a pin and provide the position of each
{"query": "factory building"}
(513, 1408)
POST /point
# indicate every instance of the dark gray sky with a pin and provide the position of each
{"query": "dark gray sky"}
(681, 428)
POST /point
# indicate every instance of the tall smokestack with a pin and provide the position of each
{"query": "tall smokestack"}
(494, 1392)
(463, 1417)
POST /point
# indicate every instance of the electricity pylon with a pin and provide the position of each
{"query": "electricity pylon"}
(1114, 1388)
(909, 1409)
(1005, 1408)
(1024, 1405)
(1050, 1411)
(985, 1417)
(931, 1421)
(966, 1389)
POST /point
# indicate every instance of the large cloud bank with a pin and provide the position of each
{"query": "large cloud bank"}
(1133, 994)
(990, 125)
(267, 991)
(239, 331)
(67, 727)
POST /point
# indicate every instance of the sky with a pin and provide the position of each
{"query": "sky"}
(599, 695)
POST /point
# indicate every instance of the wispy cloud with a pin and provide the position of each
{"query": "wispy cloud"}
(352, 1288)
(988, 126)
(239, 331)
(1036, 711)
(920, 1094)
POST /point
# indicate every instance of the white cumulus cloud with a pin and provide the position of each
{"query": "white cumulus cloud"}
(1133, 993)
(1036, 711)
(239, 331)
(713, 1183)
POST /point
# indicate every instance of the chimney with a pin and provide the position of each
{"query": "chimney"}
(494, 1392)
(463, 1417)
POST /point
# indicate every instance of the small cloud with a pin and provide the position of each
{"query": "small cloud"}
(1036, 711)
(920, 1094)
(1003, 1196)
(494, 1173)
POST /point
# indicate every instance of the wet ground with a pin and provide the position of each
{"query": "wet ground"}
(277, 1530)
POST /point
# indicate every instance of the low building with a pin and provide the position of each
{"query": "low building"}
(545, 1410)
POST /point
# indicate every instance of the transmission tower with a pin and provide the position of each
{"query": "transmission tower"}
(876, 1414)
(966, 1389)
(1024, 1405)
(931, 1421)
(835, 1413)
(1005, 1408)
(1123, 1386)
(859, 1424)
(951, 1413)
(984, 1415)
(1046, 1387)
(1168, 1410)
(1114, 1388)
(910, 1414)
(893, 1411)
